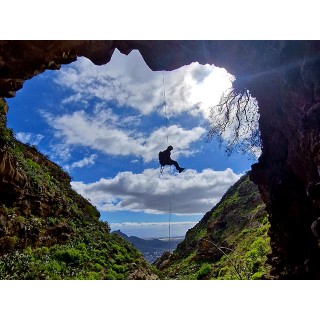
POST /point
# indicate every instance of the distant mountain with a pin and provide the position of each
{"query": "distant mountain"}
(230, 242)
(151, 249)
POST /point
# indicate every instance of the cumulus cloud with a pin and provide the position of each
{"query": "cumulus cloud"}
(191, 192)
(60, 152)
(104, 131)
(128, 81)
(27, 137)
(87, 161)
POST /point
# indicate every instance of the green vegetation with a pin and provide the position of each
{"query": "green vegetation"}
(3, 110)
(111, 259)
(204, 271)
(47, 230)
(230, 242)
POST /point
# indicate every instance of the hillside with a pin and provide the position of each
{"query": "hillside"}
(150, 248)
(47, 230)
(230, 241)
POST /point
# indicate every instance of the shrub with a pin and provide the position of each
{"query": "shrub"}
(223, 272)
(255, 258)
(111, 275)
(93, 276)
(8, 243)
(97, 267)
(72, 256)
(92, 211)
(204, 271)
(119, 268)
(257, 275)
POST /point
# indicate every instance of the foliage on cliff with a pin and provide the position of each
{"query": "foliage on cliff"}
(47, 230)
(230, 242)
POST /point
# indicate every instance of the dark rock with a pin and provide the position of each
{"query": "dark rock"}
(313, 190)
(315, 227)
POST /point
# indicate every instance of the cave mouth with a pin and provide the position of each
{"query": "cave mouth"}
(98, 122)
(288, 108)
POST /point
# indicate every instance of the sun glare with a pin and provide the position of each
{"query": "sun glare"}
(208, 92)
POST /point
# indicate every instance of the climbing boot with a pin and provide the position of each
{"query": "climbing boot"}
(181, 169)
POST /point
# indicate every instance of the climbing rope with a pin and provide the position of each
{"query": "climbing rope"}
(167, 134)
(170, 225)
(165, 107)
(165, 113)
(238, 274)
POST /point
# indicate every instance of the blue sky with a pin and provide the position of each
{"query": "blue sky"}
(106, 124)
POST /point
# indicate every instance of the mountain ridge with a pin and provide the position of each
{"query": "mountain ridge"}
(230, 242)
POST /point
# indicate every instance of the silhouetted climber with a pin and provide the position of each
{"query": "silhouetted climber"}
(165, 159)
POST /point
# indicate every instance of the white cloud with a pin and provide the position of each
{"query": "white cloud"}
(60, 152)
(104, 131)
(76, 98)
(153, 229)
(191, 192)
(129, 81)
(27, 137)
(87, 161)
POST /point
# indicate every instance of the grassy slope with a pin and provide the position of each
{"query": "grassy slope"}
(47, 230)
(230, 242)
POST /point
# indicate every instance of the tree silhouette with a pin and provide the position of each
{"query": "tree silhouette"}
(234, 122)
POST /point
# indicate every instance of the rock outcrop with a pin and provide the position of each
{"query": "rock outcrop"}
(284, 76)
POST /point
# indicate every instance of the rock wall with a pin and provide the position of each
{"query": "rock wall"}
(287, 171)
(284, 76)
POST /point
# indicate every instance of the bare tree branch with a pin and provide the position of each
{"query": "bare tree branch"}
(234, 122)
